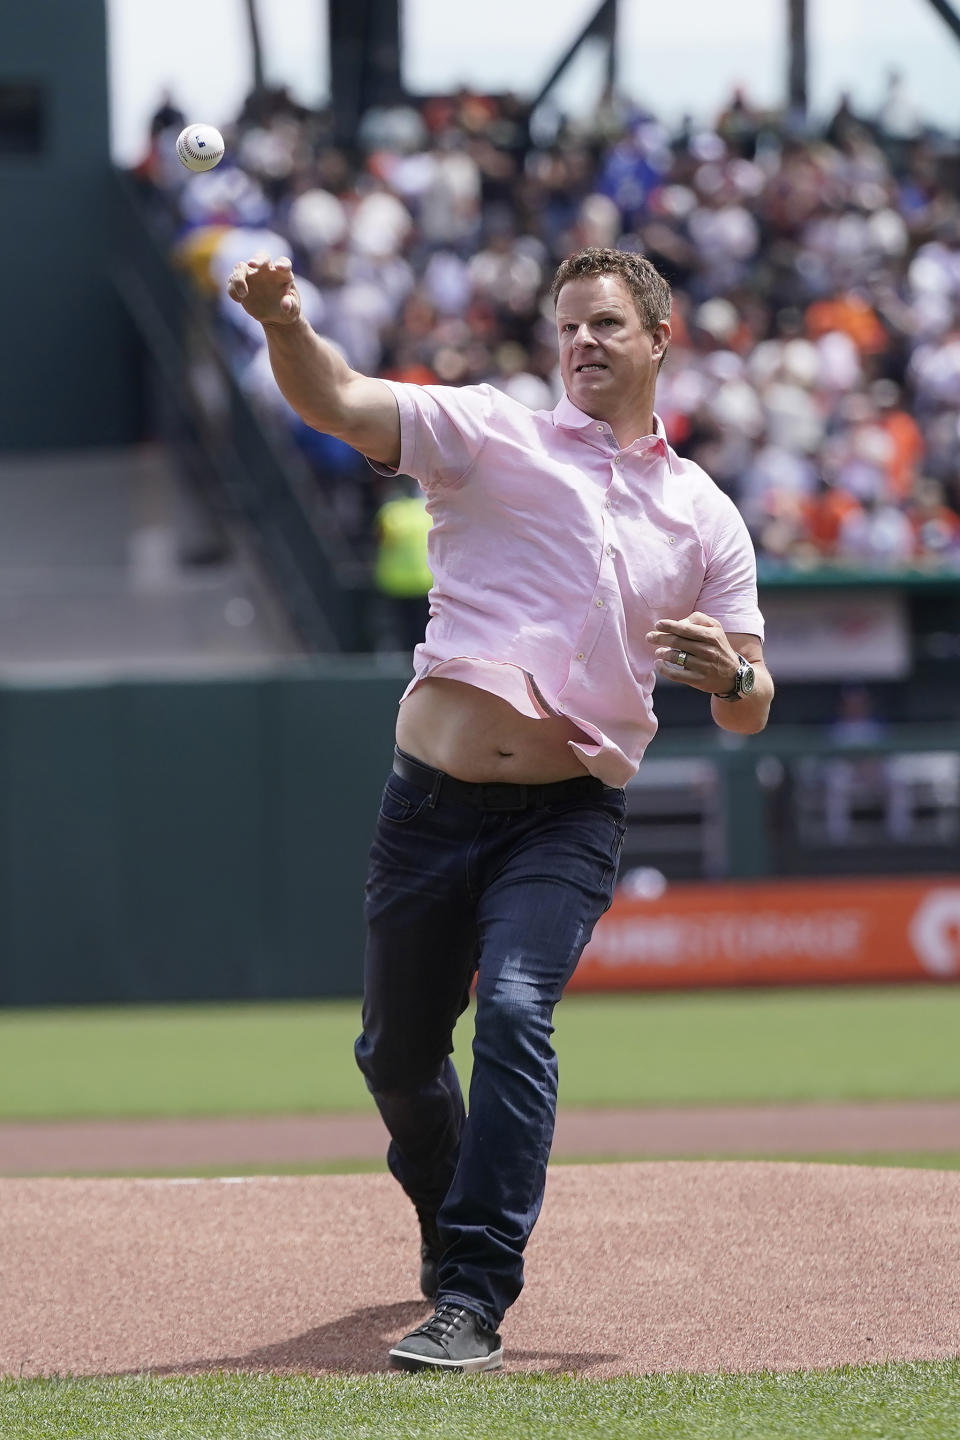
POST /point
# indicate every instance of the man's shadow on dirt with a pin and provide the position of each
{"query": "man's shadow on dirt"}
(355, 1343)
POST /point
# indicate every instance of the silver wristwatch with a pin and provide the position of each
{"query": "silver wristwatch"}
(743, 681)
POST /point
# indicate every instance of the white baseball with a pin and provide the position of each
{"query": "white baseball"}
(199, 147)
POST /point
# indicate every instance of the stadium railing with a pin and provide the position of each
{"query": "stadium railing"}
(203, 414)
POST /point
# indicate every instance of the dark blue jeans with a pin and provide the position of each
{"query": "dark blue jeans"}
(511, 897)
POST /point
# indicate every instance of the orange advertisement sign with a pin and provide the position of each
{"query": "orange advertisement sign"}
(783, 932)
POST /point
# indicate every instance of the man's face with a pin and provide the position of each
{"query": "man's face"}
(608, 362)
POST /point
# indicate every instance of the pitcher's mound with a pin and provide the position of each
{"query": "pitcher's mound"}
(632, 1268)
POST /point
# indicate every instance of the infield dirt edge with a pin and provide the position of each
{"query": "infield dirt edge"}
(633, 1269)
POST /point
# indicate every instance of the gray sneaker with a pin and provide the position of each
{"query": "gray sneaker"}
(452, 1339)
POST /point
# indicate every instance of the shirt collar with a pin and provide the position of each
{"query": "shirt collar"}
(566, 416)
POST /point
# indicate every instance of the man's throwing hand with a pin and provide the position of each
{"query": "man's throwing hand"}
(265, 289)
(696, 652)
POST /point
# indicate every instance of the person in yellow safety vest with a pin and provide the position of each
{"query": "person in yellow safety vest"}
(401, 573)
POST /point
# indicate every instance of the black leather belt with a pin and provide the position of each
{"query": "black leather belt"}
(493, 796)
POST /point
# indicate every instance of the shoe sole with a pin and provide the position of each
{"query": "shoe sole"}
(407, 1360)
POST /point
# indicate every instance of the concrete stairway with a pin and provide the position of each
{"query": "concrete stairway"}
(108, 561)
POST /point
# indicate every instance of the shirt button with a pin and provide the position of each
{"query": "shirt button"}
(618, 460)
(599, 427)
(599, 604)
(608, 504)
(671, 539)
(559, 704)
(609, 549)
(579, 654)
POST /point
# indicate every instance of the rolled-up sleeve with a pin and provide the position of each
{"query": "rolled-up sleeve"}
(443, 429)
(729, 590)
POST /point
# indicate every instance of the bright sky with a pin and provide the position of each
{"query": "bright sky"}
(683, 55)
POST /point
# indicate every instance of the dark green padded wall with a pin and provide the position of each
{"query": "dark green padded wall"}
(70, 371)
(194, 840)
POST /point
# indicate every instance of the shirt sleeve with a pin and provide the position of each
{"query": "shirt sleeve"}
(443, 429)
(729, 590)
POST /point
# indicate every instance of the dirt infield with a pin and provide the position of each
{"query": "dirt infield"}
(133, 1146)
(640, 1267)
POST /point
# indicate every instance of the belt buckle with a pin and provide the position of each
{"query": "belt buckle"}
(503, 796)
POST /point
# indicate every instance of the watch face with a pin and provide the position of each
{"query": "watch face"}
(748, 678)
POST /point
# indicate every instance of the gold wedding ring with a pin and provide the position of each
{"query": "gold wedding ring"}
(682, 659)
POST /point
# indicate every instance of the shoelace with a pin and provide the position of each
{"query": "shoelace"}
(442, 1321)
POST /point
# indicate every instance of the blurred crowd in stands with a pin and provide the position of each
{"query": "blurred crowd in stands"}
(815, 365)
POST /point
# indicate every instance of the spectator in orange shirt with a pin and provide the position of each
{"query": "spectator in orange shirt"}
(851, 315)
(825, 513)
(906, 438)
(936, 526)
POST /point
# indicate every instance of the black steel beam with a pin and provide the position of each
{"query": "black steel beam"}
(601, 25)
(364, 60)
(256, 45)
(948, 15)
(797, 57)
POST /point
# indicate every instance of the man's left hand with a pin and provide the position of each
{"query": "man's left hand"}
(696, 652)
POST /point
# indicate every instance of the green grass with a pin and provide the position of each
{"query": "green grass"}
(705, 1048)
(180, 1060)
(760, 1046)
(881, 1402)
(894, 1159)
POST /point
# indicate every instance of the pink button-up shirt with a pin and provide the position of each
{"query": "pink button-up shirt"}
(553, 553)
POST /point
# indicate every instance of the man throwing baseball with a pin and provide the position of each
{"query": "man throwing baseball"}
(575, 557)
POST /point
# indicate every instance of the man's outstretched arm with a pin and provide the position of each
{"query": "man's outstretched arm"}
(313, 378)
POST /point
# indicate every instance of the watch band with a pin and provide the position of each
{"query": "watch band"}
(731, 696)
